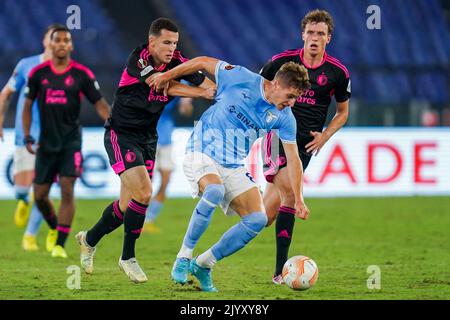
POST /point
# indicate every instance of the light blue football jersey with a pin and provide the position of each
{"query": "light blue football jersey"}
(166, 123)
(17, 82)
(240, 115)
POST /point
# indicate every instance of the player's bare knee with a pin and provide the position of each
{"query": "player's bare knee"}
(41, 201)
(40, 196)
(67, 195)
(143, 195)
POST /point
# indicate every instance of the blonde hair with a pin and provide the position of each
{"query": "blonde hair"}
(294, 75)
(317, 16)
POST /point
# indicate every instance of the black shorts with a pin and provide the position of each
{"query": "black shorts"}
(50, 165)
(274, 157)
(127, 151)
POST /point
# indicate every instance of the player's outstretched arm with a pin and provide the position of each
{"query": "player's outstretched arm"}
(177, 89)
(159, 80)
(295, 169)
(103, 108)
(338, 121)
(26, 122)
(5, 99)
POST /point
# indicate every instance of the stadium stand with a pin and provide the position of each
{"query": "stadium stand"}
(404, 54)
(407, 60)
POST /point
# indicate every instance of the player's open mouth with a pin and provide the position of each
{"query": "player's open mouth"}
(314, 46)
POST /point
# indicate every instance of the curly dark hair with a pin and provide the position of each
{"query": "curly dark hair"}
(317, 16)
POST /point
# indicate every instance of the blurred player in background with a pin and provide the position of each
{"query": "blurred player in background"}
(246, 107)
(23, 168)
(164, 157)
(328, 77)
(131, 138)
(58, 85)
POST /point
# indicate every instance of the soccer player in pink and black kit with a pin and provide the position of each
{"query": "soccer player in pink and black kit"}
(328, 77)
(58, 86)
(131, 139)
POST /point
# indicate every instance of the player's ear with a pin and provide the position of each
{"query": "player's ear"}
(71, 46)
(328, 38)
(151, 40)
(303, 36)
(276, 84)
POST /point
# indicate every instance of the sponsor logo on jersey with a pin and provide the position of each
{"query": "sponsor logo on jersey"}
(242, 118)
(308, 97)
(232, 109)
(55, 96)
(155, 96)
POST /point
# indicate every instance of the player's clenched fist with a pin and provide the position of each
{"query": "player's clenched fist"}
(210, 93)
(158, 81)
(301, 210)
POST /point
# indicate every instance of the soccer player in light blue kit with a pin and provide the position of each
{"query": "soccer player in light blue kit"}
(247, 106)
(23, 169)
(164, 163)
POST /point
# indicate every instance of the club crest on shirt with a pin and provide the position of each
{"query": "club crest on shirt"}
(229, 67)
(270, 117)
(142, 63)
(322, 79)
(69, 81)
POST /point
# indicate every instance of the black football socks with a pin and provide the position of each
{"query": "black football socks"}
(283, 233)
(133, 222)
(111, 219)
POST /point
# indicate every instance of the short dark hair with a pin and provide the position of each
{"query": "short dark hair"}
(317, 16)
(160, 24)
(52, 26)
(61, 28)
(294, 75)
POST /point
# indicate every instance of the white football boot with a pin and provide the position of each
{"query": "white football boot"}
(86, 252)
(132, 270)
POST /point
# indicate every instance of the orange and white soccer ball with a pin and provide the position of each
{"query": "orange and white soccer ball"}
(300, 272)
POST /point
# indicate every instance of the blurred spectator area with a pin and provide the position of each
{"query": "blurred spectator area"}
(407, 60)
(398, 72)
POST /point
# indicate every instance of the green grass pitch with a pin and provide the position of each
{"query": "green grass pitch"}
(407, 238)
